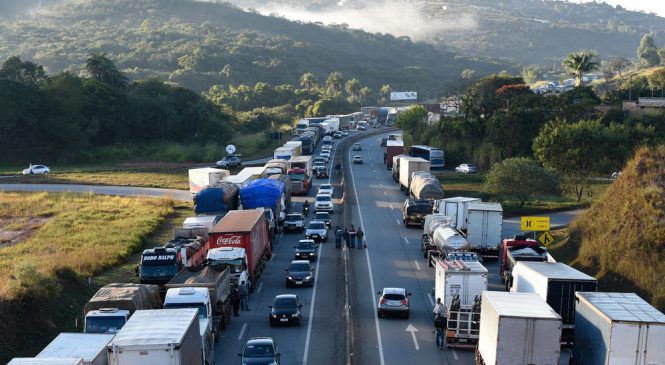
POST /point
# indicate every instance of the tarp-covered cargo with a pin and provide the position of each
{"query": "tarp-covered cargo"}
(426, 186)
(218, 198)
(261, 193)
(125, 296)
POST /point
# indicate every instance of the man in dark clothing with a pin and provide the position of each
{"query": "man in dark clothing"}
(360, 234)
(235, 301)
(347, 238)
(338, 237)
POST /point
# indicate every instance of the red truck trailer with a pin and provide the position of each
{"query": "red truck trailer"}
(393, 148)
(248, 230)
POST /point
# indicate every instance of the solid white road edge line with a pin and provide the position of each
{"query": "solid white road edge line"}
(311, 308)
(417, 266)
(407, 242)
(258, 290)
(369, 269)
(242, 331)
(429, 296)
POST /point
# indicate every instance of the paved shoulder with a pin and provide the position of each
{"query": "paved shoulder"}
(182, 195)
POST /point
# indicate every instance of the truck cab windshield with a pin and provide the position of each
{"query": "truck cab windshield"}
(105, 324)
(203, 312)
(297, 176)
(235, 266)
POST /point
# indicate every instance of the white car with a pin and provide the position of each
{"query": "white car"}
(36, 170)
(466, 168)
(326, 189)
(325, 154)
(323, 203)
(358, 159)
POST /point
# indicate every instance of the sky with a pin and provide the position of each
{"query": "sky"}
(649, 6)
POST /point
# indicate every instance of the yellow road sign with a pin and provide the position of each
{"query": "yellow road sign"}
(546, 238)
(535, 224)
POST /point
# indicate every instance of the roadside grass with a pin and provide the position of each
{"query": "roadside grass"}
(84, 233)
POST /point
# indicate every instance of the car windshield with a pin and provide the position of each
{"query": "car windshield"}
(393, 296)
(294, 217)
(317, 225)
(322, 216)
(323, 198)
(284, 303)
(299, 267)
(325, 187)
(470, 166)
(305, 245)
(259, 351)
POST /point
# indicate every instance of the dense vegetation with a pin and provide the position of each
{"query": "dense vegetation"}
(621, 239)
(540, 32)
(200, 44)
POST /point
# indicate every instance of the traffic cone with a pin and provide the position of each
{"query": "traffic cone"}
(364, 244)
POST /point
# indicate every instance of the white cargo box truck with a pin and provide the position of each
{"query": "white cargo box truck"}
(246, 175)
(159, 336)
(91, 347)
(457, 209)
(485, 228)
(200, 179)
(45, 361)
(285, 153)
(518, 328)
(295, 144)
(407, 166)
(617, 329)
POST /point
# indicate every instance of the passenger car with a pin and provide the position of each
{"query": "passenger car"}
(325, 154)
(305, 250)
(37, 170)
(325, 189)
(466, 168)
(260, 350)
(338, 135)
(229, 161)
(345, 132)
(321, 172)
(299, 273)
(324, 203)
(294, 222)
(317, 230)
(357, 147)
(393, 301)
(358, 159)
(285, 309)
(324, 217)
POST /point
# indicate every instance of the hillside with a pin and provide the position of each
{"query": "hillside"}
(189, 43)
(621, 239)
(528, 31)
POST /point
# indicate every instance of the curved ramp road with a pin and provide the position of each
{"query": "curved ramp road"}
(182, 195)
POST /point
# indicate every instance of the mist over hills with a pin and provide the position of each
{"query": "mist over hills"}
(527, 31)
(189, 43)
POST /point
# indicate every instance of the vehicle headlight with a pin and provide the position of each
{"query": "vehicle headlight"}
(294, 315)
(289, 277)
(309, 277)
(273, 315)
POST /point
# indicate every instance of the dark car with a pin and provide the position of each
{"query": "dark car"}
(324, 217)
(321, 172)
(260, 350)
(299, 273)
(357, 147)
(415, 210)
(285, 309)
(393, 301)
(305, 250)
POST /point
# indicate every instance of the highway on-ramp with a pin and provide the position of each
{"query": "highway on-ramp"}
(182, 195)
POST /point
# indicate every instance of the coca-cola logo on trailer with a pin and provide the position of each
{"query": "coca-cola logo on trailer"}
(232, 240)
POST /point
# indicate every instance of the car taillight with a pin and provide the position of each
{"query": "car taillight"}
(382, 301)
(405, 301)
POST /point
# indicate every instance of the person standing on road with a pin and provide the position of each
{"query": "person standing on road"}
(338, 237)
(347, 238)
(439, 330)
(352, 234)
(242, 290)
(360, 234)
(438, 308)
(235, 301)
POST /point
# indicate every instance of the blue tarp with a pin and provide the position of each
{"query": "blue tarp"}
(218, 199)
(261, 193)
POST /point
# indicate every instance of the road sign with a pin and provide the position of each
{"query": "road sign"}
(546, 238)
(230, 149)
(535, 224)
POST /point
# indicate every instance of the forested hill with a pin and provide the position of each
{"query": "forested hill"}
(190, 43)
(528, 31)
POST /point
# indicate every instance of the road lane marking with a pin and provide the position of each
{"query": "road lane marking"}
(369, 269)
(429, 296)
(385, 193)
(413, 331)
(398, 222)
(455, 355)
(258, 290)
(407, 242)
(417, 266)
(311, 307)
(242, 331)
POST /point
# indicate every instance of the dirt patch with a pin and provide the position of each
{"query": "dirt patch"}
(13, 231)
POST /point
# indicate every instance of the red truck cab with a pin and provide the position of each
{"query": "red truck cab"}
(300, 181)
(516, 241)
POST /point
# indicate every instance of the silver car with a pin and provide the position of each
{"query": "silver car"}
(317, 231)
(393, 301)
(294, 222)
(323, 203)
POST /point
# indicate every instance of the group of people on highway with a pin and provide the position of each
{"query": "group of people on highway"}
(352, 238)
(240, 298)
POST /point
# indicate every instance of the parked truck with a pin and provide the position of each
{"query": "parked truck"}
(235, 258)
(46, 361)
(308, 139)
(200, 179)
(517, 328)
(160, 264)
(276, 166)
(485, 228)
(316, 131)
(295, 144)
(302, 162)
(617, 329)
(267, 194)
(556, 283)
(285, 153)
(460, 284)
(246, 175)
(216, 279)
(409, 165)
(286, 183)
(90, 347)
(520, 248)
(246, 229)
(426, 186)
(393, 148)
(112, 306)
(395, 168)
(445, 239)
(161, 336)
(300, 173)
(457, 209)
(217, 199)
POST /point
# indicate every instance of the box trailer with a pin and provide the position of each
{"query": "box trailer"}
(618, 329)
(407, 166)
(45, 361)
(90, 347)
(457, 209)
(160, 336)
(485, 228)
(556, 283)
(393, 148)
(295, 144)
(518, 328)
(200, 179)
(285, 153)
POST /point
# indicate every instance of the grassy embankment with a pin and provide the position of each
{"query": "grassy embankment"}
(62, 239)
(470, 185)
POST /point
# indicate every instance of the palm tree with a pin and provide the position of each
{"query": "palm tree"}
(385, 92)
(365, 93)
(353, 88)
(102, 69)
(580, 62)
(308, 80)
(334, 83)
(226, 70)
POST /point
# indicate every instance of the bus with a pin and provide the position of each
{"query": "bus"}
(432, 154)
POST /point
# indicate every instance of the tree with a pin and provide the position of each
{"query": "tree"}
(353, 88)
(308, 80)
(657, 80)
(365, 94)
(481, 100)
(647, 52)
(580, 150)
(27, 73)
(530, 74)
(617, 64)
(384, 92)
(412, 119)
(334, 83)
(579, 63)
(467, 74)
(102, 69)
(661, 55)
(522, 178)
